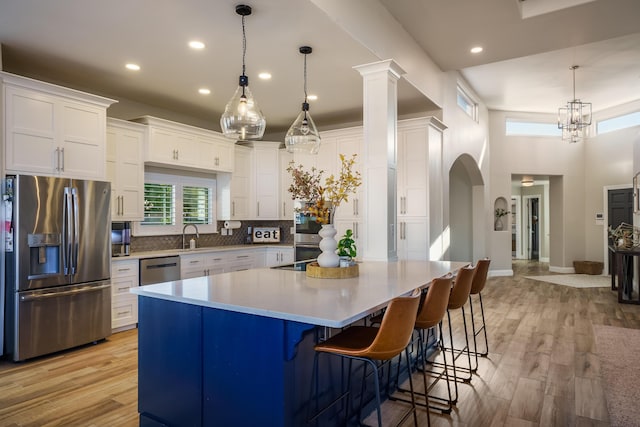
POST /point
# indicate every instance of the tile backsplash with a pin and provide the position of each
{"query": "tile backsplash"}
(239, 237)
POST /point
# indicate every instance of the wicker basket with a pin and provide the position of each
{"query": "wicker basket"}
(588, 267)
(314, 270)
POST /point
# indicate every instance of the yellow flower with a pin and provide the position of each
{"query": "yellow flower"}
(306, 186)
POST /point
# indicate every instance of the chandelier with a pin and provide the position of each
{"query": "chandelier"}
(575, 116)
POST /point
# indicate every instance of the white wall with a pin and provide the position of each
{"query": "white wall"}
(467, 137)
(540, 156)
(461, 214)
(578, 174)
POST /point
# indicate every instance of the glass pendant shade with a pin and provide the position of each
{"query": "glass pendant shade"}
(303, 136)
(242, 119)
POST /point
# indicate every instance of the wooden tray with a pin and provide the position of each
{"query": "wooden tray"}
(314, 270)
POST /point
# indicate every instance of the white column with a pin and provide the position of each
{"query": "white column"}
(380, 115)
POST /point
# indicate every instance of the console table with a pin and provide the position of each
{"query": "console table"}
(623, 270)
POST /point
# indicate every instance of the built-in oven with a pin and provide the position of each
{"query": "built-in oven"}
(306, 241)
(306, 252)
(305, 222)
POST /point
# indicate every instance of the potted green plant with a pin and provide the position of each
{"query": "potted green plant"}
(347, 250)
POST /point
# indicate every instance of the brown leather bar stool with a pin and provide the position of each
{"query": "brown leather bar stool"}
(430, 315)
(374, 345)
(479, 281)
(458, 297)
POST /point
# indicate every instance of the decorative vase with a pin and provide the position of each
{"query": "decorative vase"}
(328, 245)
(498, 224)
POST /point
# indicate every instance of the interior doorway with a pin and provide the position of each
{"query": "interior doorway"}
(532, 227)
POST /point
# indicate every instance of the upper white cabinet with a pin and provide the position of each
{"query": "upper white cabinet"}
(125, 169)
(241, 184)
(51, 130)
(172, 144)
(286, 202)
(253, 190)
(419, 185)
(266, 180)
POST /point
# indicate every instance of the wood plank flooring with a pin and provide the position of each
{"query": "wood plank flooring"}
(542, 369)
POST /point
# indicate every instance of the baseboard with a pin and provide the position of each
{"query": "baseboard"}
(544, 259)
(554, 269)
(500, 273)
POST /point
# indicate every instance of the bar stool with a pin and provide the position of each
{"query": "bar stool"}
(375, 345)
(430, 315)
(479, 281)
(458, 297)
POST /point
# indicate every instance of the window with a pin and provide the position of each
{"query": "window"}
(172, 201)
(619, 122)
(524, 128)
(467, 104)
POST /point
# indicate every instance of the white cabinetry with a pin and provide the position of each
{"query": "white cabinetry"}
(176, 145)
(253, 190)
(192, 265)
(286, 202)
(51, 130)
(124, 305)
(215, 262)
(125, 169)
(419, 166)
(278, 256)
(266, 180)
(241, 260)
(241, 184)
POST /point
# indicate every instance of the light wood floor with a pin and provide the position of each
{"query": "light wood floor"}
(542, 369)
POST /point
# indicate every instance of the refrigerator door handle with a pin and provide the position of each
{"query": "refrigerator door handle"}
(76, 229)
(66, 232)
(37, 296)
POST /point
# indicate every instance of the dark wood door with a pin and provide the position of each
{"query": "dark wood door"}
(620, 209)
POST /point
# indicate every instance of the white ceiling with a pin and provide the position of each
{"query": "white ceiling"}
(524, 67)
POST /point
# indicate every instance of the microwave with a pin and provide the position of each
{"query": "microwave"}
(120, 239)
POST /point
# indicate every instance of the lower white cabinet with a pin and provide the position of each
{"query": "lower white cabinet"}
(413, 238)
(223, 261)
(241, 260)
(277, 256)
(124, 305)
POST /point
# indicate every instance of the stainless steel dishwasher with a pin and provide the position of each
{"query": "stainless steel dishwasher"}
(156, 270)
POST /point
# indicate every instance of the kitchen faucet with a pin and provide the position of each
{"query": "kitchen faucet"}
(184, 228)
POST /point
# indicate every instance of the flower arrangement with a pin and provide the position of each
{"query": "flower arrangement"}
(625, 236)
(324, 199)
(501, 212)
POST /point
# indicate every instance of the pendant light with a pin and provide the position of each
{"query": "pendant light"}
(242, 119)
(303, 136)
(575, 116)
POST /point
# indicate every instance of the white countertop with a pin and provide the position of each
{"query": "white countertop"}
(291, 295)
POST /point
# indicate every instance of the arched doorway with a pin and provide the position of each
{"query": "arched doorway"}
(466, 208)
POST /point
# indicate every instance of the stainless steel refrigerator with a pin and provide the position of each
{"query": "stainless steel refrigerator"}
(58, 274)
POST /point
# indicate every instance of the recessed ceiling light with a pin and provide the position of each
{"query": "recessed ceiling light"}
(476, 49)
(133, 67)
(204, 91)
(264, 76)
(195, 44)
(312, 97)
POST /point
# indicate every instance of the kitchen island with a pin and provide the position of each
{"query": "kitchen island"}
(237, 348)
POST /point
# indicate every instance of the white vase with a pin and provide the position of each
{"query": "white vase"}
(328, 245)
(498, 226)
